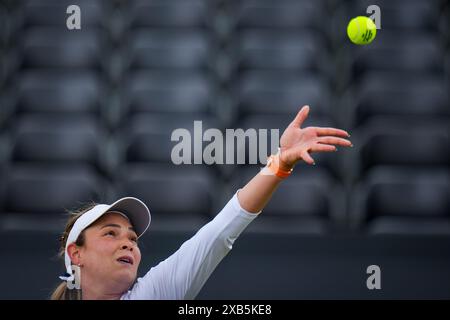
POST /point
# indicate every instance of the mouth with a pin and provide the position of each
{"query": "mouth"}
(126, 260)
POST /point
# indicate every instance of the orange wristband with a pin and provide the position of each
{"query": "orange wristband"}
(273, 164)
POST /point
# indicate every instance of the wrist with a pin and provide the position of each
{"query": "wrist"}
(284, 165)
(276, 167)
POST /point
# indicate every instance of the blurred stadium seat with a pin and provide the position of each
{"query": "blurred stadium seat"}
(52, 48)
(394, 200)
(387, 93)
(169, 49)
(401, 15)
(35, 196)
(53, 92)
(310, 204)
(146, 137)
(302, 14)
(49, 12)
(168, 92)
(394, 54)
(55, 139)
(391, 141)
(181, 198)
(173, 13)
(288, 50)
(275, 93)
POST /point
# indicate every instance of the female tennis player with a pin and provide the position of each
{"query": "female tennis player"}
(100, 248)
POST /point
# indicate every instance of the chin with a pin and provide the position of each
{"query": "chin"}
(126, 276)
(131, 276)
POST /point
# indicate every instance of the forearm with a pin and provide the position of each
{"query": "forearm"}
(257, 192)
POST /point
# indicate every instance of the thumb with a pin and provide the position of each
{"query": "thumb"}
(301, 116)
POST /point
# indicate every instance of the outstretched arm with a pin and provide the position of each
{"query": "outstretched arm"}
(296, 144)
(182, 275)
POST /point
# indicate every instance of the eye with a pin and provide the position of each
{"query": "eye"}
(110, 233)
(134, 239)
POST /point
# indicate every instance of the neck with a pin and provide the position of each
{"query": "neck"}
(89, 294)
(100, 290)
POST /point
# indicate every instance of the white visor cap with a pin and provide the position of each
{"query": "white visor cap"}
(134, 209)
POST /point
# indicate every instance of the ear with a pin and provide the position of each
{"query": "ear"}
(74, 253)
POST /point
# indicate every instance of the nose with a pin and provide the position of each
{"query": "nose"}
(127, 247)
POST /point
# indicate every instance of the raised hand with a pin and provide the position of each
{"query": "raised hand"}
(297, 143)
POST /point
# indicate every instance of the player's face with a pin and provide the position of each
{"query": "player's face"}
(111, 253)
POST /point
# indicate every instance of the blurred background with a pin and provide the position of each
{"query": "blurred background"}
(87, 115)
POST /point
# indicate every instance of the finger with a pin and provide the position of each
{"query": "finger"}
(335, 140)
(306, 157)
(323, 148)
(301, 116)
(331, 132)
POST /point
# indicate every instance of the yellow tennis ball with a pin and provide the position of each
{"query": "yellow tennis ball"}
(361, 30)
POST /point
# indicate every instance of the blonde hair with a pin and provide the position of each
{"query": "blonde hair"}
(61, 292)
